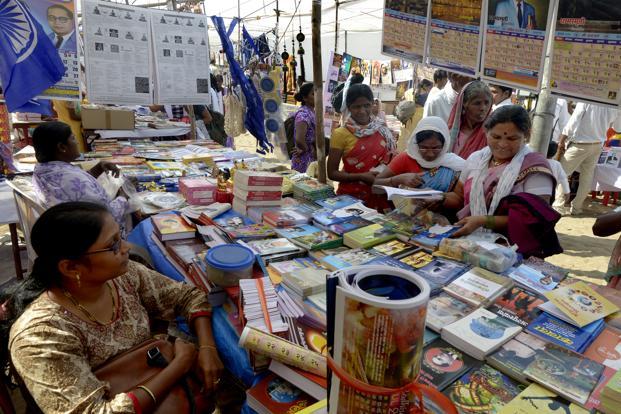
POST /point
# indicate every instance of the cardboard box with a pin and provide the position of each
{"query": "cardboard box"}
(107, 119)
(198, 191)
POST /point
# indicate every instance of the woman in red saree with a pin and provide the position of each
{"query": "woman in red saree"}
(472, 108)
(363, 144)
(507, 188)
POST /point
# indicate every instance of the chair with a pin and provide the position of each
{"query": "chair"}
(28, 211)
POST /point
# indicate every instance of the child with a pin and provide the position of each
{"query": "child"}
(561, 178)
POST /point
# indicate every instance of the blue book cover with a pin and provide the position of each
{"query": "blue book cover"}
(231, 220)
(390, 261)
(297, 231)
(327, 218)
(561, 333)
(337, 202)
(349, 225)
(440, 272)
(431, 238)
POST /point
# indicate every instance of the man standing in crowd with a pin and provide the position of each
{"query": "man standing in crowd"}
(501, 95)
(581, 144)
(60, 20)
(440, 79)
(442, 103)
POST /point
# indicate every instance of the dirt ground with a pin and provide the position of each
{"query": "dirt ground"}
(585, 256)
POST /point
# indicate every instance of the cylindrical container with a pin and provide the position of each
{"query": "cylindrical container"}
(228, 263)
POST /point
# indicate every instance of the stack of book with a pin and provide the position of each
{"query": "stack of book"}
(304, 282)
(256, 188)
(198, 191)
(311, 190)
(611, 395)
(260, 305)
(285, 217)
(171, 226)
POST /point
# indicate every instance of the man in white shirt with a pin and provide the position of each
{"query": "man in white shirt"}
(442, 103)
(501, 96)
(440, 79)
(561, 118)
(583, 137)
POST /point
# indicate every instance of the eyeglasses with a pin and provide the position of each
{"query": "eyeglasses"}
(430, 148)
(115, 248)
(60, 19)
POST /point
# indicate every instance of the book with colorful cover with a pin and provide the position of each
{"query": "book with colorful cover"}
(432, 237)
(580, 303)
(305, 282)
(533, 279)
(400, 223)
(339, 201)
(394, 248)
(442, 364)
(556, 273)
(536, 399)
(417, 259)
(274, 395)
(231, 220)
(185, 250)
(606, 348)
(170, 226)
(320, 239)
(251, 232)
(482, 390)
(345, 226)
(518, 305)
(565, 334)
(515, 355)
(271, 246)
(567, 373)
(284, 217)
(478, 286)
(352, 257)
(614, 319)
(390, 261)
(444, 310)
(292, 232)
(594, 402)
(306, 336)
(440, 272)
(314, 385)
(368, 236)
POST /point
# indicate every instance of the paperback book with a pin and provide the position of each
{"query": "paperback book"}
(320, 239)
(444, 310)
(533, 279)
(440, 272)
(394, 248)
(390, 261)
(556, 273)
(515, 355)
(480, 333)
(171, 226)
(595, 399)
(442, 364)
(274, 395)
(368, 236)
(432, 237)
(518, 305)
(536, 399)
(614, 319)
(340, 201)
(606, 348)
(351, 257)
(271, 246)
(285, 217)
(251, 232)
(417, 259)
(345, 226)
(478, 286)
(305, 282)
(567, 373)
(565, 334)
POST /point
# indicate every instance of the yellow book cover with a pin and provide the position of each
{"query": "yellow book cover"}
(536, 399)
(580, 303)
(320, 407)
(165, 165)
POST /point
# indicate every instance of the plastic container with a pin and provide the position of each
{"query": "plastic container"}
(491, 256)
(228, 263)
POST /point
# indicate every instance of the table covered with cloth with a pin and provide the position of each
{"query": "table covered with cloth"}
(234, 358)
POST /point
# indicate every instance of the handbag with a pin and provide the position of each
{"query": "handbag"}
(136, 366)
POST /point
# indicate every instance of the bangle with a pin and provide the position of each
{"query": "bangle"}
(148, 391)
(207, 347)
(490, 222)
(390, 181)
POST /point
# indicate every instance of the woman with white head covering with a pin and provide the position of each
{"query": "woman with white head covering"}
(427, 162)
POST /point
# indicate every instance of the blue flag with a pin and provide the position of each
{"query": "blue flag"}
(29, 62)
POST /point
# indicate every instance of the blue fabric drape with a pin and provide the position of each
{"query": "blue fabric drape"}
(255, 117)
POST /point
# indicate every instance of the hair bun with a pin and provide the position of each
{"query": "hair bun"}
(298, 97)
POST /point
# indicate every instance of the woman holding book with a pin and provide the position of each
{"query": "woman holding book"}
(86, 302)
(56, 180)
(507, 188)
(364, 144)
(472, 108)
(304, 130)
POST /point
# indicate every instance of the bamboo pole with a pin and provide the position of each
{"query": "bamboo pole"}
(318, 86)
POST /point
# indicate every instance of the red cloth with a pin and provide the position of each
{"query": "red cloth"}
(477, 139)
(403, 164)
(369, 152)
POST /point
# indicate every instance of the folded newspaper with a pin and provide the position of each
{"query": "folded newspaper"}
(376, 324)
(423, 193)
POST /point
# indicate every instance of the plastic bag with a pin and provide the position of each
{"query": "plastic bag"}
(112, 185)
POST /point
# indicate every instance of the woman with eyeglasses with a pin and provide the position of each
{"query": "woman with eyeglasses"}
(56, 180)
(427, 162)
(86, 302)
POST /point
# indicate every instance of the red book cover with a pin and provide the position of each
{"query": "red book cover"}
(257, 195)
(277, 396)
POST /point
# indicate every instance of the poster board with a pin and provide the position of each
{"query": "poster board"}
(515, 42)
(404, 29)
(181, 51)
(332, 80)
(586, 61)
(117, 47)
(59, 21)
(456, 36)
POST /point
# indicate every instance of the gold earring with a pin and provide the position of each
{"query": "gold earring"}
(77, 278)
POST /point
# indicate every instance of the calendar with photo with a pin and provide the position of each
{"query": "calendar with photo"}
(404, 29)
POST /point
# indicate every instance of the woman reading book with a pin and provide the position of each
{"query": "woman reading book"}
(506, 187)
(86, 302)
(56, 180)
(364, 144)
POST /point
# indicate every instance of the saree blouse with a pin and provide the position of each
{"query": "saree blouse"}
(54, 351)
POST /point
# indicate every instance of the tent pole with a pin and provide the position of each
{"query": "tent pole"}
(318, 86)
(336, 26)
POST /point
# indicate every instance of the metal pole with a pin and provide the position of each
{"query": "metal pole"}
(336, 27)
(543, 119)
(318, 86)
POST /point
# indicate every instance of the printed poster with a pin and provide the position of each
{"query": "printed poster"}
(404, 29)
(58, 19)
(586, 62)
(515, 42)
(117, 46)
(181, 48)
(331, 82)
(455, 39)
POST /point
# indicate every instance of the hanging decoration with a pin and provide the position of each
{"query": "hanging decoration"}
(300, 38)
(255, 116)
(293, 64)
(285, 57)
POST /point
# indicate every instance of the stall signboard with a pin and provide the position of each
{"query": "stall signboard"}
(117, 46)
(404, 29)
(181, 49)
(586, 62)
(516, 34)
(455, 35)
(59, 21)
